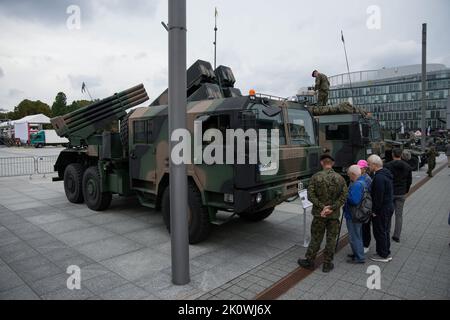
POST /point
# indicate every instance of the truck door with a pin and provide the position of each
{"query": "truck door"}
(142, 155)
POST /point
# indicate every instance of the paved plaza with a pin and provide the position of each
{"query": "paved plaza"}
(124, 252)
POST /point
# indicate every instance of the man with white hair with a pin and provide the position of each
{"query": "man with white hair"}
(354, 198)
(382, 192)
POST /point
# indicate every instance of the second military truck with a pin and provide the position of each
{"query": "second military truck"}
(105, 157)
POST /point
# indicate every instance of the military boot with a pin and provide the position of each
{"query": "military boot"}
(327, 267)
(306, 263)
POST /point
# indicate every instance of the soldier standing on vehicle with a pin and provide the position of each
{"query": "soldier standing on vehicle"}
(431, 154)
(322, 86)
(327, 191)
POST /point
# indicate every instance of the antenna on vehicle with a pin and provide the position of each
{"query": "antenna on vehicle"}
(348, 69)
(216, 13)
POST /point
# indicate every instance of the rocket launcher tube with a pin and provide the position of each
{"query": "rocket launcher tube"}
(120, 94)
(116, 110)
(86, 121)
(117, 104)
(92, 109)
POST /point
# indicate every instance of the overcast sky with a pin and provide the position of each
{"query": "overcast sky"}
(272, 46)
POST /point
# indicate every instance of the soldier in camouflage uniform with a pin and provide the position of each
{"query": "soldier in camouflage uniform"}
(323, 86)
(327, 191)
(431, 153)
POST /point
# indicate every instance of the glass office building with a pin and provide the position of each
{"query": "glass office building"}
(393, 95)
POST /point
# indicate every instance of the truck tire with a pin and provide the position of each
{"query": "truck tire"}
(413, 162)
(124, 132)
(73, 178)
(199, 224)
(256, 216)
(94, 198)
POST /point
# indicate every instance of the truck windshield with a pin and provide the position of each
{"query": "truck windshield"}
(301, 127)
(375, 130)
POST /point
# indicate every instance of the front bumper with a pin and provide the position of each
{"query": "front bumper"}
(246, 200)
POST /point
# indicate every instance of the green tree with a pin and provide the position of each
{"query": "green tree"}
(29, 107)
(59, 107)
(78, 104)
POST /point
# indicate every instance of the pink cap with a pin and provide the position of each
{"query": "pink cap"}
(362, 164)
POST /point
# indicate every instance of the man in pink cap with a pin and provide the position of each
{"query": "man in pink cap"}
(366, 232)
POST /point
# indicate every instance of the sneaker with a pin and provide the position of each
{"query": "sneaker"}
(366, 250)
(378, 258)
(327, 267)
(396, 239)
(305, 263)
(351, 255)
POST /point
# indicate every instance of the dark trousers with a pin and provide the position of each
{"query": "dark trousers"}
(319, 226)
(366, 234)
(382, 233)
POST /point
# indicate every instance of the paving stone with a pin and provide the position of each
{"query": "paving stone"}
(9, 279)
(126, 226)
(134, 265)
(104, 283)
(66, 294)
(16, 251)
(66, 226)
(127, 292)
(108, 248)
(19, 293)
(83, 236)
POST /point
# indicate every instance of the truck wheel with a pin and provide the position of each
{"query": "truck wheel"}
(413, 162)
(94, 198)
(199, 224)
(256, 216)
(73, 177)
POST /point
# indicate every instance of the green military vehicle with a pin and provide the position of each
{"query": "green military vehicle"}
(347, 132)
(104, 158)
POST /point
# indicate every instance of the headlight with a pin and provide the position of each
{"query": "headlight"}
(258, 197)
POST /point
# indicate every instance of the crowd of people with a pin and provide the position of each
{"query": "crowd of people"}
(375, 196)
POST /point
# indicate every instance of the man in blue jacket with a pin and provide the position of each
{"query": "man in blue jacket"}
(382, 192)
(354, 198)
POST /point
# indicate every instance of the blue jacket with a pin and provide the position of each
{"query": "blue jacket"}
(355, 194)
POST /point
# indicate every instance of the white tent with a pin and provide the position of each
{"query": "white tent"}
(34, 119)
(22, 126)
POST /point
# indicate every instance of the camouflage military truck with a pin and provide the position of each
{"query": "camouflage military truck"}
(348, 134)
(132, 158)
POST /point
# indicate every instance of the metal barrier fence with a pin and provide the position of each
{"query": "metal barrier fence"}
(26, 166)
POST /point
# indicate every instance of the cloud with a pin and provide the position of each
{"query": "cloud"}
(272, 47)
(394, 53)
(52, 12)
(15, 93)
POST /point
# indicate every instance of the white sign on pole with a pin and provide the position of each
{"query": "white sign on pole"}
(304, 198)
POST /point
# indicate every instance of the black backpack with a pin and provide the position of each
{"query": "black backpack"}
(362, 212)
